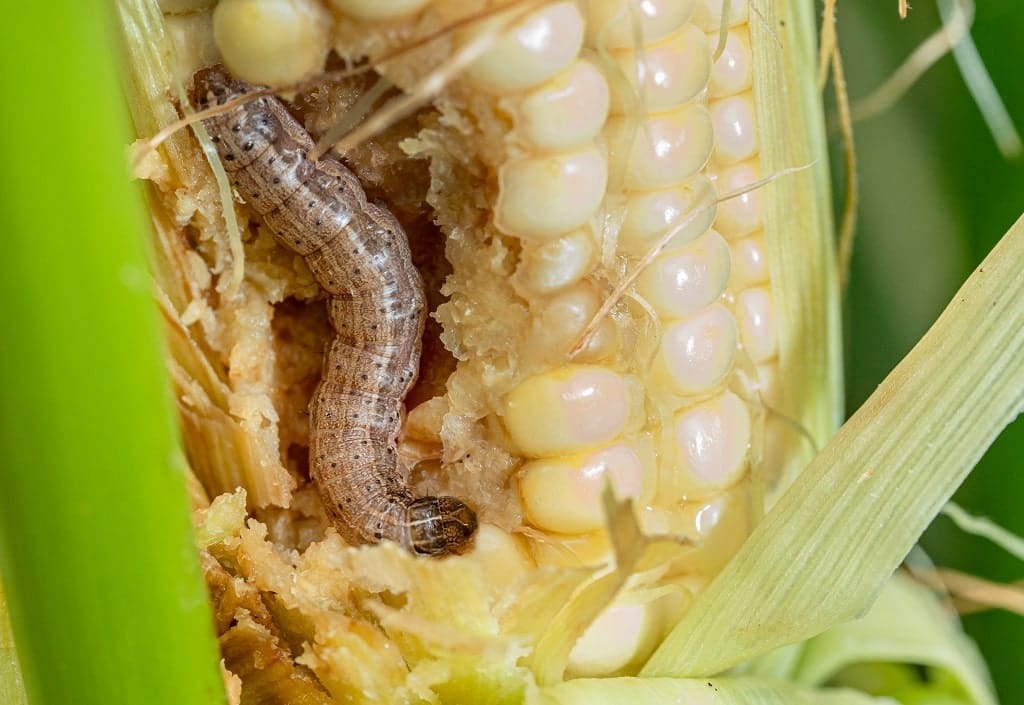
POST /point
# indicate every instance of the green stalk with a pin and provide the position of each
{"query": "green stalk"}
(96, 547)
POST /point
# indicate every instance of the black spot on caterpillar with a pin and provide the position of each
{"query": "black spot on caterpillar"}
(359, 254)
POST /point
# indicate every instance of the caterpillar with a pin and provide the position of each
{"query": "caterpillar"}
(359, 254)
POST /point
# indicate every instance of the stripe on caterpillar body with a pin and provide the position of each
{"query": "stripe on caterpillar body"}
(360, 256)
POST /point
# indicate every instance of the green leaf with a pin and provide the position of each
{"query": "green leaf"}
(822, 554)
(96, 546)
(12, 688)
(907, 625)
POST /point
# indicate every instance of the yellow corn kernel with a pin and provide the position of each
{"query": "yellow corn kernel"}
(569, 409)
(538, 49)
(619, 640)
(549, 195)
(276, 42)
(379, 9)
(563, 494)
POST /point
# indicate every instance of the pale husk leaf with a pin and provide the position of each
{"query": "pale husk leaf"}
(798, 226)
(906, 625)
(721, 691)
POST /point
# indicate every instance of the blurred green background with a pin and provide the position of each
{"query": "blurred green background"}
(936, 195)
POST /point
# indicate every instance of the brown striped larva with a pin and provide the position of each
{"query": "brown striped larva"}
(359, 254)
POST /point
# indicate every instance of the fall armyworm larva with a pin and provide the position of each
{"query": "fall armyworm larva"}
(360, 256)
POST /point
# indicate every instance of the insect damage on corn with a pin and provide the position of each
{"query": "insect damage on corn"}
(558, 162)
(359, 254)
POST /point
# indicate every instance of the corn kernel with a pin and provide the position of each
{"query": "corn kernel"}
(749, 262)
(566, 111)
(538, 49)
(569, 409)
(549, 266)
(695, 354)
(423, 422)
(756, 317)
(735, 136)
(709, 14)
(611, 22)
(682, 281)
(733, 72)
(666, 148)
(710, 443)
(721, 524)
(379, 9)
(620, 639)
(666, 74)
(546, 196)
(502, 556)
(741, 215)
(276, 42)
(557, 325)
(564, 494)
(650, 214)
(570, 550)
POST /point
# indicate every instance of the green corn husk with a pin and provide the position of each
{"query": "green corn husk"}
(96, 548)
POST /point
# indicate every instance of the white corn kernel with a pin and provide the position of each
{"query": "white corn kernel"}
(735, 133)
(682, 281)
(546, 196)
(749, 262)
(549, 266)
(756, 317)
(564, 494)
(733, 72)
(710, 449)
(620, 639)
(666, 148)
(695, 354)
(539, 48)
(720, 526)
(610, 23)
(709, 14)
(741, 215)
(273, 42)
(379, 9)
(566, 111)
(501, 555)
(650, 214)
(569, 409)
(558, 322)
(666, 74)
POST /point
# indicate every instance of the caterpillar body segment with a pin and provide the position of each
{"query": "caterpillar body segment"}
(360, 256)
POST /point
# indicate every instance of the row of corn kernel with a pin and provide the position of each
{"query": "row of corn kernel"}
(736, 161)
(566, 420)
(699, 423)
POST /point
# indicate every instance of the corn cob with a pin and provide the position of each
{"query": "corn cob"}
(558, 160)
